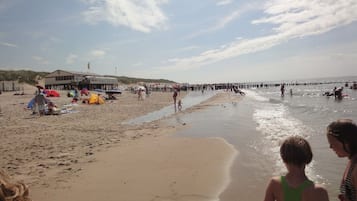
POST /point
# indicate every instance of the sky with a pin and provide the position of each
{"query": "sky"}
(187, 41)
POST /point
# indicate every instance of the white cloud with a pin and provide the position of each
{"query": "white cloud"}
(98, 53)
(71, 58)
(188, 48)
(140, 15)
(227, 19)
(292, 19)
(296, 18)
(225, 52)
(224, 2)
(8, 44)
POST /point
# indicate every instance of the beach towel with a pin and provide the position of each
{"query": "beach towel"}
(51, 93)
(31, 103)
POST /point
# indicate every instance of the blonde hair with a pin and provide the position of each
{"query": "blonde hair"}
(12, 191)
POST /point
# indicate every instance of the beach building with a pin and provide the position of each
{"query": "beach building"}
(10, 85)
(61, 79)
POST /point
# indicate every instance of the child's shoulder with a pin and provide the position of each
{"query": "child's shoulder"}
(316, 192)
(317, 188)
(274, 190)
(275, 181)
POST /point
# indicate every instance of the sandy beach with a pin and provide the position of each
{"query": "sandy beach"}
(87, 154)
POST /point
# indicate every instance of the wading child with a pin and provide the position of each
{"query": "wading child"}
(295, 186)
(179, 105)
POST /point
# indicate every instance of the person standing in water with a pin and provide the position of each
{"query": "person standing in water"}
(295, 186)
(282, 89)
(174, 96)
(342, 137)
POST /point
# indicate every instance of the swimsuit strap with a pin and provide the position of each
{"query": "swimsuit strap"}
(347, 187)
(294, 194)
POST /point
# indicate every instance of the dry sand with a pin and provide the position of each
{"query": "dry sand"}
(89, 155)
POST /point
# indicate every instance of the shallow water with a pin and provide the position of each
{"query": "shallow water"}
(306, 112)
(191, 99)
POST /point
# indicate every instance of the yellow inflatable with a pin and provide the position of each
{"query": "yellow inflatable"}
(95, 99)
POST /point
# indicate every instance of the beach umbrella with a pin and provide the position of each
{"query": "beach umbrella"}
(52, 93)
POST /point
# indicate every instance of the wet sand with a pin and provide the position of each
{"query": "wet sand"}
(161, 168)
(60, 155)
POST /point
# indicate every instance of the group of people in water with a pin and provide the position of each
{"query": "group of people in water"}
(336, 92)
(296, 153)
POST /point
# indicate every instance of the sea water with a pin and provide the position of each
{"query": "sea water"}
(306, 112)
(258, 123)
(191, 99)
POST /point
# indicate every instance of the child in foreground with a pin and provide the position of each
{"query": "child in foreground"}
(295, 186)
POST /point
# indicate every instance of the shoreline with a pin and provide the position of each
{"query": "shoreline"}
(228, 169)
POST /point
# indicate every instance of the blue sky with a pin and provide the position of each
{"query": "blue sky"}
(194, 41)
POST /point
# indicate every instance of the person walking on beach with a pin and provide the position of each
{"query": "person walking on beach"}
(179, 105)
(295, 186)
(342, 137)
(174, 96)
(282, 89)
(147, 93)
(140, 94)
